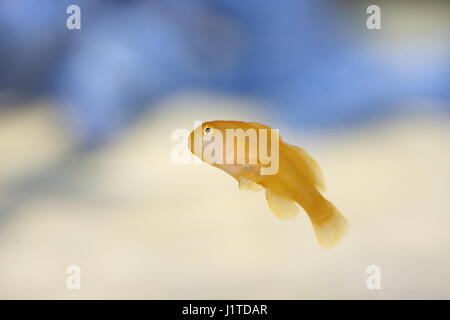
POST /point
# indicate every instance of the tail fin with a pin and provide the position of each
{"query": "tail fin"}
(329, 224)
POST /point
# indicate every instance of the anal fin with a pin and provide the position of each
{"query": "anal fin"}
(284, 208)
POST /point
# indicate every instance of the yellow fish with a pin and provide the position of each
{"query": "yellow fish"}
(291, 175)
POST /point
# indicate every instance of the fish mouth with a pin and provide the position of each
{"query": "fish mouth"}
(190, 144)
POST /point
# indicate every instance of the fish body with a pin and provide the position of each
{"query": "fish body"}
(297, 179)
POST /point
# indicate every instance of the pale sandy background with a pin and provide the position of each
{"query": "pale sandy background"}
(142, 227)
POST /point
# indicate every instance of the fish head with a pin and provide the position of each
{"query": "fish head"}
(202, 137)
(212, 135)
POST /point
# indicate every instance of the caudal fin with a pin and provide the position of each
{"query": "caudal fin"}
(329, 224)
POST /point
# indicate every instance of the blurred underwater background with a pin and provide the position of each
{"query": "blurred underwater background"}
(86, 174)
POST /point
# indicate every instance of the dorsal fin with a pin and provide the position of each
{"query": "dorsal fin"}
(313, 171)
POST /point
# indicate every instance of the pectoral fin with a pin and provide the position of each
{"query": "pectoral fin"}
(247, 184)
(284, 208)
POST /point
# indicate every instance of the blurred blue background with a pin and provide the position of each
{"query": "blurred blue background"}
(87, 178)
(310, 60)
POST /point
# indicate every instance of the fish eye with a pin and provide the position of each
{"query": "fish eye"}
(207, 130)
